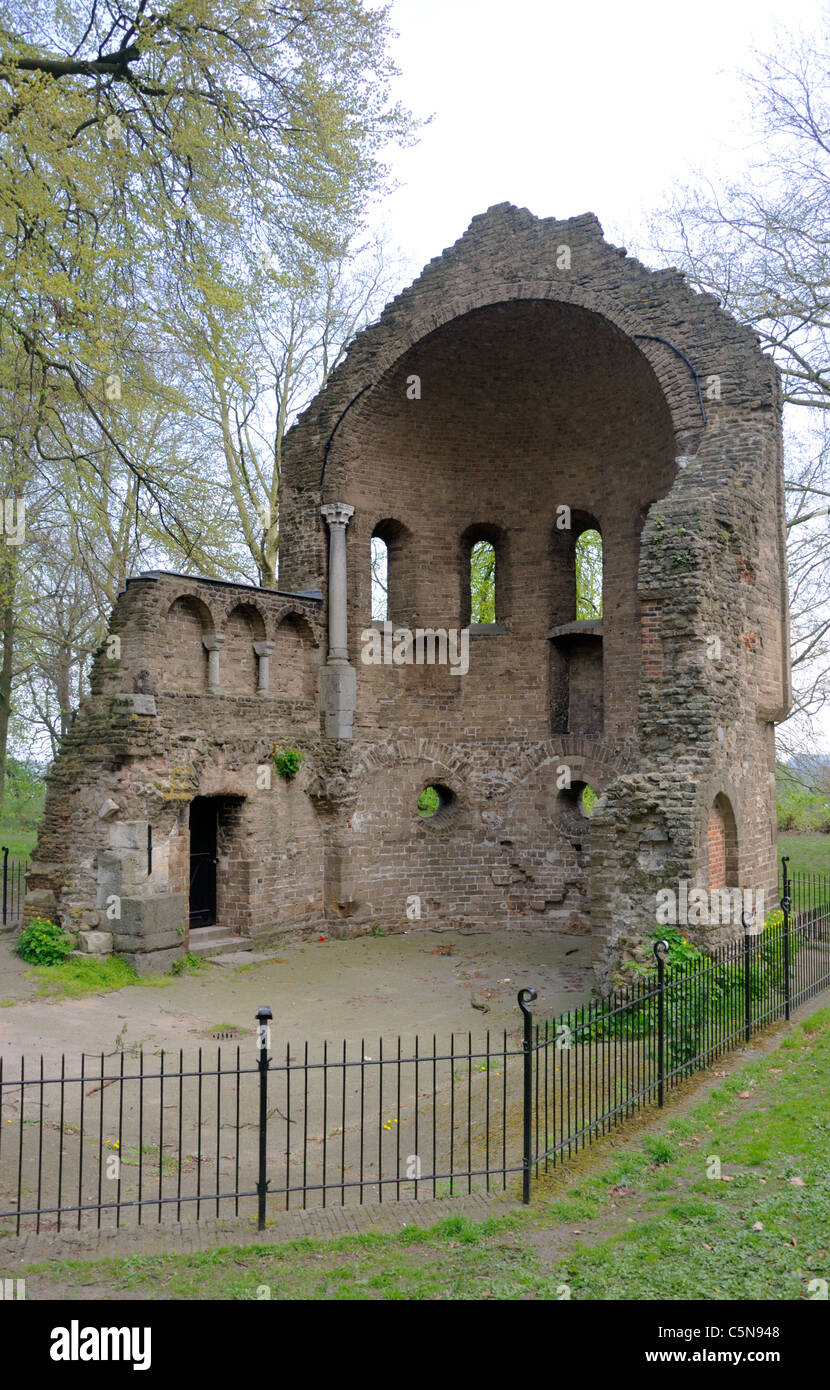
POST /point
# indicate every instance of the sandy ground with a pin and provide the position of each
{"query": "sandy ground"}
(419, 982)
(352, 1122)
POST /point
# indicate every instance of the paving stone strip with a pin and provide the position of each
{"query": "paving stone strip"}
(209, 1235)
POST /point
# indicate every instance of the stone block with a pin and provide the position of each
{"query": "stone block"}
(128, 834)
(95, 943)
(121, 871)
(152, 916)
(147, 941)
(137, 704)
(339, 697)
(41, 902)
(153, 962)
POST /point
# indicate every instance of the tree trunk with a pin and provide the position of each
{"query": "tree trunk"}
(7, 589)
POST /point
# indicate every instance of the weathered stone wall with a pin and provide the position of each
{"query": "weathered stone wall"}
(152, 736)
(533, 382)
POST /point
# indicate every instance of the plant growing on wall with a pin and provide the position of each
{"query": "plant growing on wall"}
(287, 761)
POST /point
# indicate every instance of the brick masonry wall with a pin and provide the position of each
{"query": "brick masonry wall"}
(542, 383)
(716, 850)
(651, 646)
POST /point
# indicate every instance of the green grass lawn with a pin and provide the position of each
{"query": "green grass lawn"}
(20, 839)
(650, 1222)
(808, 853)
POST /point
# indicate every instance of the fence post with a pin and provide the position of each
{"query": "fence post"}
(525, 997)
(786, 904)
(747, 990)
(5, 879)
(660, 948)
(263, 1018)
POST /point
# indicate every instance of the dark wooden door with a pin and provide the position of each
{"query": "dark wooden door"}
(203, 812)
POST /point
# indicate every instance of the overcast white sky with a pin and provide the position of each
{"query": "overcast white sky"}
(569, 108)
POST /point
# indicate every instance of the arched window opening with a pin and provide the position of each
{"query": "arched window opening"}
(390, 572)
(483, 582)
(588, 565)
(484, 576)
(380, 579)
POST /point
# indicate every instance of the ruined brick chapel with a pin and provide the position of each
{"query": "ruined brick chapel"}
(533, 383)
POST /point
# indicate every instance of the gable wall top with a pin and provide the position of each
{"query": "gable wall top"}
(509, 254)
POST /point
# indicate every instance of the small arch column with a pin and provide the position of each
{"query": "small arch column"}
(213, 646)
(264, 651)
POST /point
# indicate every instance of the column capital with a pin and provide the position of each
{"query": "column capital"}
(264, 648)
(214, 642)
(337, 513)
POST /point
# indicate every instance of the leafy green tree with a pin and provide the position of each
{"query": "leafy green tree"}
(589, 575)
(483, 583)
(147, 156)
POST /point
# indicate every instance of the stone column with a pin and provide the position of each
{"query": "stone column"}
(264, 651)
(338, 516)
(213, 646)
(339, 680)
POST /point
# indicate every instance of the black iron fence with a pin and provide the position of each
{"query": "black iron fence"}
(14, 886)
(132, 1137)
(597, 1064)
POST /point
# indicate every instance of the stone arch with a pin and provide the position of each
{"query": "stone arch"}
(393, 776)
(254, 611)
(445, 763)
(676, 386)
(721, 844)
(243, 627)
(600, 762)
(187, 621)
(295, 662)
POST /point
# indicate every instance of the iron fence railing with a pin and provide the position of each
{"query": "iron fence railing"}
(592, 1067)
(135, 1137)
(14, 886)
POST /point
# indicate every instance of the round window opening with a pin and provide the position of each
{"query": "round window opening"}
(433, 800)
(576, 803)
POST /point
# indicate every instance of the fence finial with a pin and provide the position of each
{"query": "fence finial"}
(525, 997)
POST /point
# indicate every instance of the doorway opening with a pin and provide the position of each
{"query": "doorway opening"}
(204, 821)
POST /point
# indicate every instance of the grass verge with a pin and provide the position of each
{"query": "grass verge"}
(76, 977)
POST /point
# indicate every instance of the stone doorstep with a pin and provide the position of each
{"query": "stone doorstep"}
(322, 1223)
(229, 960)
(220, 946)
